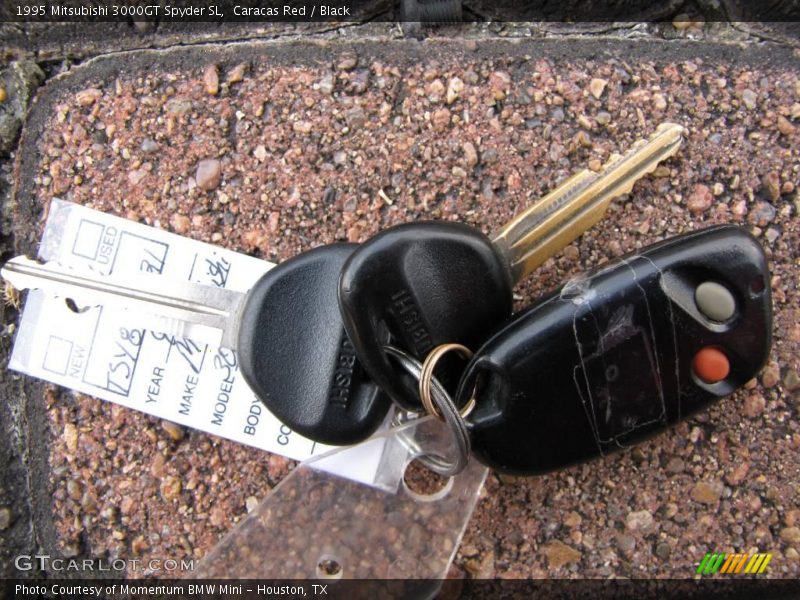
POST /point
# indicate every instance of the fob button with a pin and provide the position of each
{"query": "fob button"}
(715, 301)
(711, 365)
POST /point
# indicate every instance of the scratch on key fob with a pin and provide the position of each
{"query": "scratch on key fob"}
(620, 354)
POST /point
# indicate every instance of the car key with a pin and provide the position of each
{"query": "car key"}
(291, 347)
(618, 355)
(428, 283)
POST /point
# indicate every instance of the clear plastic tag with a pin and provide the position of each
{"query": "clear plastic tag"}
(316, 525)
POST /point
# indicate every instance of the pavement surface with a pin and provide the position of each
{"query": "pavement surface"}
(333, 139)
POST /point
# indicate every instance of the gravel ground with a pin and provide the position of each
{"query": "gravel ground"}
(312, 144)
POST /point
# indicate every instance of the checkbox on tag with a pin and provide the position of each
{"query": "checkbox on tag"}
(56, 359)
(87, 240)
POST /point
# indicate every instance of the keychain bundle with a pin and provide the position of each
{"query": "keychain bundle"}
(334, 338)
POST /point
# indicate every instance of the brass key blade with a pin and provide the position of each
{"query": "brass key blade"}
(154, 295)
(581, 201)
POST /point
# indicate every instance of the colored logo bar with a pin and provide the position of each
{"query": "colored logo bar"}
(753, 564)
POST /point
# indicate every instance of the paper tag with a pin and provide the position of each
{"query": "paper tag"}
(111, 354)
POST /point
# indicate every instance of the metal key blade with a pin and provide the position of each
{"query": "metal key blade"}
(157, 296)
(565, 213)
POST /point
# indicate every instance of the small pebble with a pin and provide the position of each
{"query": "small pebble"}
(706, 493)
(217, 517)
(326, 84)
(638, 520)
(785, 127)
(454, 89)
(302, 126)
(626, 543)
(483, 568)
(170, 488)
(138, 545)
(354, 233)
(174, 430)
(771, 375)
(682, 22)
(356, 117)
(559, 554)
(126, 505)
(71, 437)
(700, 200)
(762, 214)
(359, 82)
(149, 145)
(347, 62)
(178, 106)
(772, 184)
(790, 535)
(73, 489)
(772, 234)
(659, 102)
(441, 118)
(88, 97)
(470, 154)
(663, 550)
(209, 174)
(749, 98)
(276, 466)
(603, 118)
(136, 176)
(500, 83)
(573, 519)
(435, 90)
(251, 503)
(5, 518)
(237, 73)
(572, 253)
(754, 405)
(597, 86)
(676, 465)
(3, 94)
(211, 80)
(792, 381)
(739, 472)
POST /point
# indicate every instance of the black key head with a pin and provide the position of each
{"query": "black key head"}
(621, 354)
(296, 357)
(426, 283)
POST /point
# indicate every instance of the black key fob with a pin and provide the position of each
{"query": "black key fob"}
(620, 354)
(297, 358)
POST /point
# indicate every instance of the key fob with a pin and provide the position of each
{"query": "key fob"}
(622, 353)
(296, 356)
(426, 283)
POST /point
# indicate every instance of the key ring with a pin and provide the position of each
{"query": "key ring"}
(427, 376)
(442, 400)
